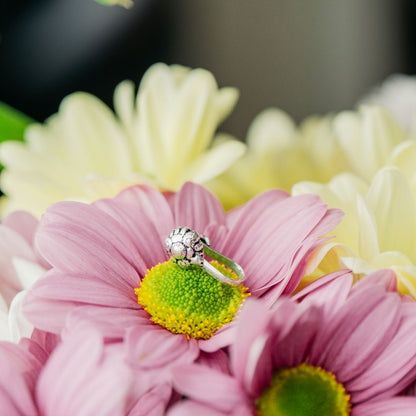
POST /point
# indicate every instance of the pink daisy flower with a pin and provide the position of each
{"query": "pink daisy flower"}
(109, 259)
(82, 376)
(337, 351)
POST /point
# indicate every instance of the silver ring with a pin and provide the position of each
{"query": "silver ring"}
(186, 247)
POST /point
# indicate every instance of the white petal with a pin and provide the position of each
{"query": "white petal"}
(19, 326)
(27, 272)
(3, 305)
(357, 265)
(4, 327)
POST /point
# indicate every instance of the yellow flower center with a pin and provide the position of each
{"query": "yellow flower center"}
(187, 300)
(304, 390)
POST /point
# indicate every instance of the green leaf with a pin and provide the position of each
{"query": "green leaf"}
(12, 123)
(124, 3)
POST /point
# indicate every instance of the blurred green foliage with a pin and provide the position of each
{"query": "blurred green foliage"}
(124, 3)
(12, 123)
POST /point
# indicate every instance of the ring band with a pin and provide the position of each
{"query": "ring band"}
(186, 247)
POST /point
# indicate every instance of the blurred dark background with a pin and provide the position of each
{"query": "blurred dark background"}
(304, 57)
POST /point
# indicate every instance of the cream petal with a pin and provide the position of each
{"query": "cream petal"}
(367, 231)
(27, 189)
(325, 258)
(320, 143)
(225, 102)
(124, 103)
(347, 130)
(88, 126)
(214, 161)
(22, 160)
(381, 132)
(271, 131)
(179, 72)
(346, 186)
(99, 186)
(309, 187)
(404, 157)
(406, 276)
(368, 138)
(193, 118)
(392, 201)
(390, 259)
(178, 112)
(347, 231)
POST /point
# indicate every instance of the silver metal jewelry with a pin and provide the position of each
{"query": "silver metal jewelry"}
(186, 247)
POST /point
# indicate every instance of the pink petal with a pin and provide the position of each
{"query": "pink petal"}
(111, 322)
(396, 406)
(46, 314)
(84, 288)
(149, 202)
(152, 347)
(275, 236)
(384, 278)
(220, 391)
(192, 408)
(19, 371)
(255, 206)
(366, 325)
(318, 288)
(250, 352)
(24, 223)
(81, 238)
(292, 346)
(82, 378)
(329, 292)
(217, 360)
(46, 343)
(196, 208)
(222, 338)
(393, 369)
(152, 403)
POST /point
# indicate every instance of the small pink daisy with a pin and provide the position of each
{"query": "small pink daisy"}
(109, 262)
(85, 375)
(82, 376)
(337, 351)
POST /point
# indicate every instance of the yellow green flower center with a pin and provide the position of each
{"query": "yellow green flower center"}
(304, 390)
(187, 300)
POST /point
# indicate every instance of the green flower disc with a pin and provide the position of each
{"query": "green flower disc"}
(188, 300)
(304, 390)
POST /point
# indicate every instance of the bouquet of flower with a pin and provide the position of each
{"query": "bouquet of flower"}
(153, 267)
